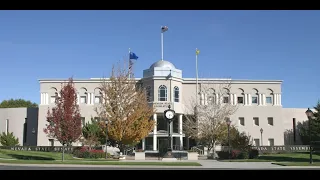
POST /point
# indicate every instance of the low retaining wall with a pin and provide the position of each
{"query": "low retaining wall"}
(67, 149)
(277, 149)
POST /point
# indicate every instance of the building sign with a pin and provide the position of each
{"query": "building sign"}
(38, 148)
(298, 148)
(275, 149)
(161, 104)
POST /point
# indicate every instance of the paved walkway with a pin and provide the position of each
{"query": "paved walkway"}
(206, 164)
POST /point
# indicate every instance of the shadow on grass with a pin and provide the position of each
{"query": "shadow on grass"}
(26, 157)
(298, 157)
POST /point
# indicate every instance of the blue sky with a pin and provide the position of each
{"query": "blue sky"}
(282, 45)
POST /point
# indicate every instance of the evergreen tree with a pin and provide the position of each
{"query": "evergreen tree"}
(315, 127)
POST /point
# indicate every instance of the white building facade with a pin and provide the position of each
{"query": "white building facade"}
(259, 105)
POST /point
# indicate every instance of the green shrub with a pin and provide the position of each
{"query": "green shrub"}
(84, 152)
(223, 154)
(8, 139)
(253, 154)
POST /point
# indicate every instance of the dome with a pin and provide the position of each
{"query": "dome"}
(162, 63)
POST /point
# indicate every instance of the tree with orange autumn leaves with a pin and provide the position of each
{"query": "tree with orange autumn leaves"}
(64, 119)
(125, 108)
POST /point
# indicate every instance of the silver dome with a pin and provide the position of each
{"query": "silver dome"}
(162, 63)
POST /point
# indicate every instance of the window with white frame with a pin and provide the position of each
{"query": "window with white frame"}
(241, 121)
(256, 121)
(240, 100)
(254, 96)
(269, 100)
(162, 93)
(97, 99)
(176, 94)
(226, 99)
(83, 99)
(271, 142)
(52, 99)
(270, 121)
(254, 100)
(211, 99)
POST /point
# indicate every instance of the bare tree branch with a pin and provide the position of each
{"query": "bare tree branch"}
(206, 121)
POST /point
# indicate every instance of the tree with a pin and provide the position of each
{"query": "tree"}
(8, 139)
(125, 108)
(206, 123)
(64, 120)
(91, 132)
(315, 127)
(238, 140)
(17, 103)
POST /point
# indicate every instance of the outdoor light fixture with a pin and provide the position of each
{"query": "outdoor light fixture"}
(309, 113)
(33, 131)
(310, 116)
(261, 131)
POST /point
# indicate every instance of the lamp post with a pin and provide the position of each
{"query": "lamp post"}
(229, 149)
(261, 131)
(169, 115)
(310, 116)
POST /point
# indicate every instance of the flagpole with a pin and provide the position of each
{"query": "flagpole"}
(196, 76)
(161, 45)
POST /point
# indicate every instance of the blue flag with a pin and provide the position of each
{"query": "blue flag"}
(133, 56)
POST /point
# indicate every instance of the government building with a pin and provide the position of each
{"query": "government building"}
(260, 113)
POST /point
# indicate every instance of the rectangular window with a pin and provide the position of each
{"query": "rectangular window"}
(83, 99)
(269, 100)
(256, 121)
(97, 99)
(241, 121)
(162, 95)
(226, 99)
(25, 130)
(52, 99)
(240, 100)
(83, 121)
(270, 121)
(257, 142)
(271, 142)
(51, 142)
(176, 96)
(7, 126)
(294, 129)
(254, 100)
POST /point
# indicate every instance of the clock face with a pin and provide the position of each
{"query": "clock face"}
(169, 114)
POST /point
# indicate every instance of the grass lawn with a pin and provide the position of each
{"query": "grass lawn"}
(288, 158)
(103, 163)
(36, 155)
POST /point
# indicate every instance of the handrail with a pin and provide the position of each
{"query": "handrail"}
(200, 151)
(128, 150)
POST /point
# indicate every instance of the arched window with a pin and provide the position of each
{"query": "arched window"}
(176, 94)
(162, 93)
(148, 93)
(211, 96)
